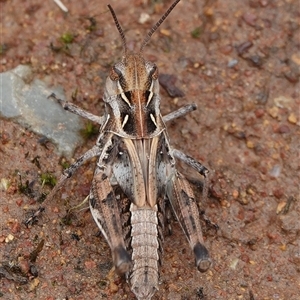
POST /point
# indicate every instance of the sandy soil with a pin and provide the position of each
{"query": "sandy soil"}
(240, 66)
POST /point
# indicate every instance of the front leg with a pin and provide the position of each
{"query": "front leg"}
(105, 211)
(77, 110)
(179, 112)
(190, 161)
(183, 202)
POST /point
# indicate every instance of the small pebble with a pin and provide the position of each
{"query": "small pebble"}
(9, 238)
(250, 18)
(282, 101)
(250, 144)
(273, 112)
(234, 264)
(281, 205)
(259, 113)
(292, 118)
(275, 171)
(4, 184)
(232, 63)
(256, 60)
(244, 47)
(296, 58)
(226, 49)
(165, 32)
(144, 17)
(264, 3)
(283, 129)
(235, 194)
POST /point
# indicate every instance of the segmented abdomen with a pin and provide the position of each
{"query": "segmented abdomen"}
(143, 230)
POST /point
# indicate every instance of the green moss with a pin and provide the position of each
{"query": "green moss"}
(196, 33)
(67, 38)
(3, 48)
(65, 164)
(48, 179)
(89, 131)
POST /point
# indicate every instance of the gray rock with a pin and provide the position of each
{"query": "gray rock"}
(25, 101)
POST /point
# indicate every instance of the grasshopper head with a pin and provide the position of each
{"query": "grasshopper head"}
(131, 74)
(132, 91)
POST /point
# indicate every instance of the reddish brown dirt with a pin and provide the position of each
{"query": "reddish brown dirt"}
(246, 131)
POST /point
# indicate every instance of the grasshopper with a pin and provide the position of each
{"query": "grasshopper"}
(136, 173)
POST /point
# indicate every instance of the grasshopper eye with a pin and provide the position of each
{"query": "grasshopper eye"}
(114, 74)
(154, 72)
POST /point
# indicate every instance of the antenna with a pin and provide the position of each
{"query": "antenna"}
(154, 28)
(118, 27)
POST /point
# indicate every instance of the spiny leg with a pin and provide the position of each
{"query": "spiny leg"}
(77, 110)
(180, 112)
(95, 151)
(67, 173)
(184, 205)
(190, 161)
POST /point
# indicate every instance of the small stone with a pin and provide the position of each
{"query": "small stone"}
(292, 75)
(281, 205)
(245, 258)
(4, 184)
(250, 144)
(259, 113)
(144, 17)
(165, 32)
(292, 118)
(234, 264)
(209, 11)
(256, 60)
(244, 47)
(250, 18)
(226, 49)
(296, 58)
(9, 238)
(278, 192)
(283, 129)
(283, 101)
(264, 3)
(275, 171)
(232, 63)
(282, 247)
(224, 203)
(243, 200)
(33, 284)
(235, 194)
(273, 112)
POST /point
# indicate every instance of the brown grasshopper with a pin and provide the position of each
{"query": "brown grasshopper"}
(136, 171)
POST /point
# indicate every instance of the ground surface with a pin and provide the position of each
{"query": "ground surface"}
(241, 67)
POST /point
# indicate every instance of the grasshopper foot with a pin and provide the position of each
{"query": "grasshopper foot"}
(122, 260)
(203, 260)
